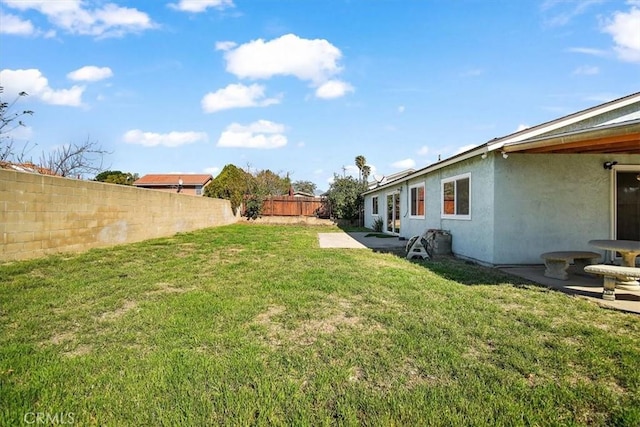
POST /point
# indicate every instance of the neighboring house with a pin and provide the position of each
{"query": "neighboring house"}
(301, 194)
(176, 183)
(297, 193)
(550, 187)
(27, 167)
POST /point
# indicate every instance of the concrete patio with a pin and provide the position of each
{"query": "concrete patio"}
(579, 284)
(360, 240)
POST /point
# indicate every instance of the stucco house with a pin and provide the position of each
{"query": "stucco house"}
(192, 184)
(551, 187)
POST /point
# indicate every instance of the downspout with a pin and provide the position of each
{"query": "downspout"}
(406, 213)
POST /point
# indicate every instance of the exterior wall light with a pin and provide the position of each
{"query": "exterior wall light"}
(504, 155)
(609, 165)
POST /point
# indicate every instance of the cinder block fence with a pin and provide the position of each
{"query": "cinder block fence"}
(41, 214)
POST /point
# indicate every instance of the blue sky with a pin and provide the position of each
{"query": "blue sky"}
(302, 87)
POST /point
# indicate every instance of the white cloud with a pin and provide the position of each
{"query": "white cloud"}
(197, 6)
(564, 11)
(522, 127)
(236, 96)
(624, 27)
(351, 170)
(213, 171)
(72, 16)
(586, 70)
(588, 51)
(333, 89)
(262, 134)
(404, 164)
(171, 139)
(225, 45)
(12, 24)
(401, 109)
(423, 151)
(90, 73)
(310, 60)
(69, 97)
(19, 133)
(465, 148)
(36, 85)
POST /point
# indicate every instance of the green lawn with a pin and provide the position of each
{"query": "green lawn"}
(250, 324)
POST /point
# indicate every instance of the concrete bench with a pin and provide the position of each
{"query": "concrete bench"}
(556, 263)
(612, 274)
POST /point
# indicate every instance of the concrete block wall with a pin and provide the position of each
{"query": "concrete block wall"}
(41, 215)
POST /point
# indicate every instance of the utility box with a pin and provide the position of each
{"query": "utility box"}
(442, 243)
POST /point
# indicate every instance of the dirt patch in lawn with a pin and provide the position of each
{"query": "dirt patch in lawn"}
(62, 337)
(68, 340)
(167, 288)
(331, 317)
(127, 306)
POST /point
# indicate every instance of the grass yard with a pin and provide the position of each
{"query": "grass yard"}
(256, 325)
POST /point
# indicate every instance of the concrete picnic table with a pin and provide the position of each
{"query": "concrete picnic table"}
(629, 249)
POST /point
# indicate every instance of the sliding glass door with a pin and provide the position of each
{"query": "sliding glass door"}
(393, 213)
(627, 205)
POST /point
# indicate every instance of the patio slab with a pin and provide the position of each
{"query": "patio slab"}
(359, 240)
(338, 240)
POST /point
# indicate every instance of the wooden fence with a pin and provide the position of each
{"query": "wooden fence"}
(295, 206)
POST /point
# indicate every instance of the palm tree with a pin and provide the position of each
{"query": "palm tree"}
(360, 163)
(366, 171)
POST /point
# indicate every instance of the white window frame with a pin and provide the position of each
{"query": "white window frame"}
(454, 179)
(424, 202)
(375, 205)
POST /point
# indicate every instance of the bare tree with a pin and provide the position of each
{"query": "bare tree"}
(75, 160)
(71, 160)
(9, 121)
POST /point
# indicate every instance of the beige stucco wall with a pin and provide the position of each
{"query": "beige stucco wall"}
(40, 215)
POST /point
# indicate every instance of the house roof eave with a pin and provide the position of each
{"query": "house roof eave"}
(474, 152)
(544, 128)
(621, 137)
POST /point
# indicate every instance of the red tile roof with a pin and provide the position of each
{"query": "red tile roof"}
(172, 179)
(27, 167)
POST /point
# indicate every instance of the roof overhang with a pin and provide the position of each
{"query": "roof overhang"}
(622, 138)
(474, 152)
